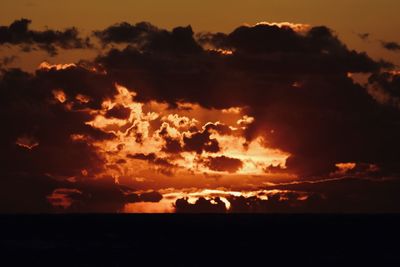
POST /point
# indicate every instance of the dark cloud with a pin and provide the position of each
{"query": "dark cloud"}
(78, 80)
(218, 81)
(201, 141)
(223, 164)
(126, 33)
(133, 198)
(7, 60)
(146, 37)
(318, 50)
(103, 195)
(384, 87)
(364, 36)
(220, 128)
(172, 146)
(30, 193)
(119, 112)
(202, 205)
(18, 33)
(152, 196)
(344, 195)
(274, 169)
(152, 158)
(22, 193)
(162, 164)
(391, 46)
(351, 194)
(25, 193)
(31, 112)
(276, 203)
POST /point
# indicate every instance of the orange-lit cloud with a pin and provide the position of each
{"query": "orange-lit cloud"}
(26, 141)
(47, 66)
(298, 27)
(164, 141)
(60, 96)
(224, 52)
(344, 167)
(63, 197)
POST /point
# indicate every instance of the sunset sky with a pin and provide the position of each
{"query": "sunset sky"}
(200, 106)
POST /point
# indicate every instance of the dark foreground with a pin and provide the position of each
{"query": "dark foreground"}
(200, 240)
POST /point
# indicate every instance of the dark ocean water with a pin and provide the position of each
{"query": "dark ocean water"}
(200, 240)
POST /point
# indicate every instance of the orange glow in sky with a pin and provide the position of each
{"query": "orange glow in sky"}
(141, 136)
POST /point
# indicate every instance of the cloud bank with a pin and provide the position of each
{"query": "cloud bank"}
(156, 106)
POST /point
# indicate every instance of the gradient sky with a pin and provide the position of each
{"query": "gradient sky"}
(237, 113)
(377, 17)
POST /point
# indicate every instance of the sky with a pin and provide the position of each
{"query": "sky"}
(347, 18)
(263, 106)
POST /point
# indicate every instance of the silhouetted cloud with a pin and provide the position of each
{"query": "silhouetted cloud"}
(200, 141)
(219, 128)
(18, 33)
(126, 33)
(201, 205)
(31, 111)
(119, 112)
(7, 60)
(223, 164)
(364, 36)
(384, 88)
(152, 158)
(172, 146)
(163, 165)
(342, 195)
(351, 194)
(146, 37)
(276, 203)
(151, 196)
(391, 46)
(24, 193)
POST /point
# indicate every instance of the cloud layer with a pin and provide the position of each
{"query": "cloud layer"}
(18, 33)
(156, 106)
